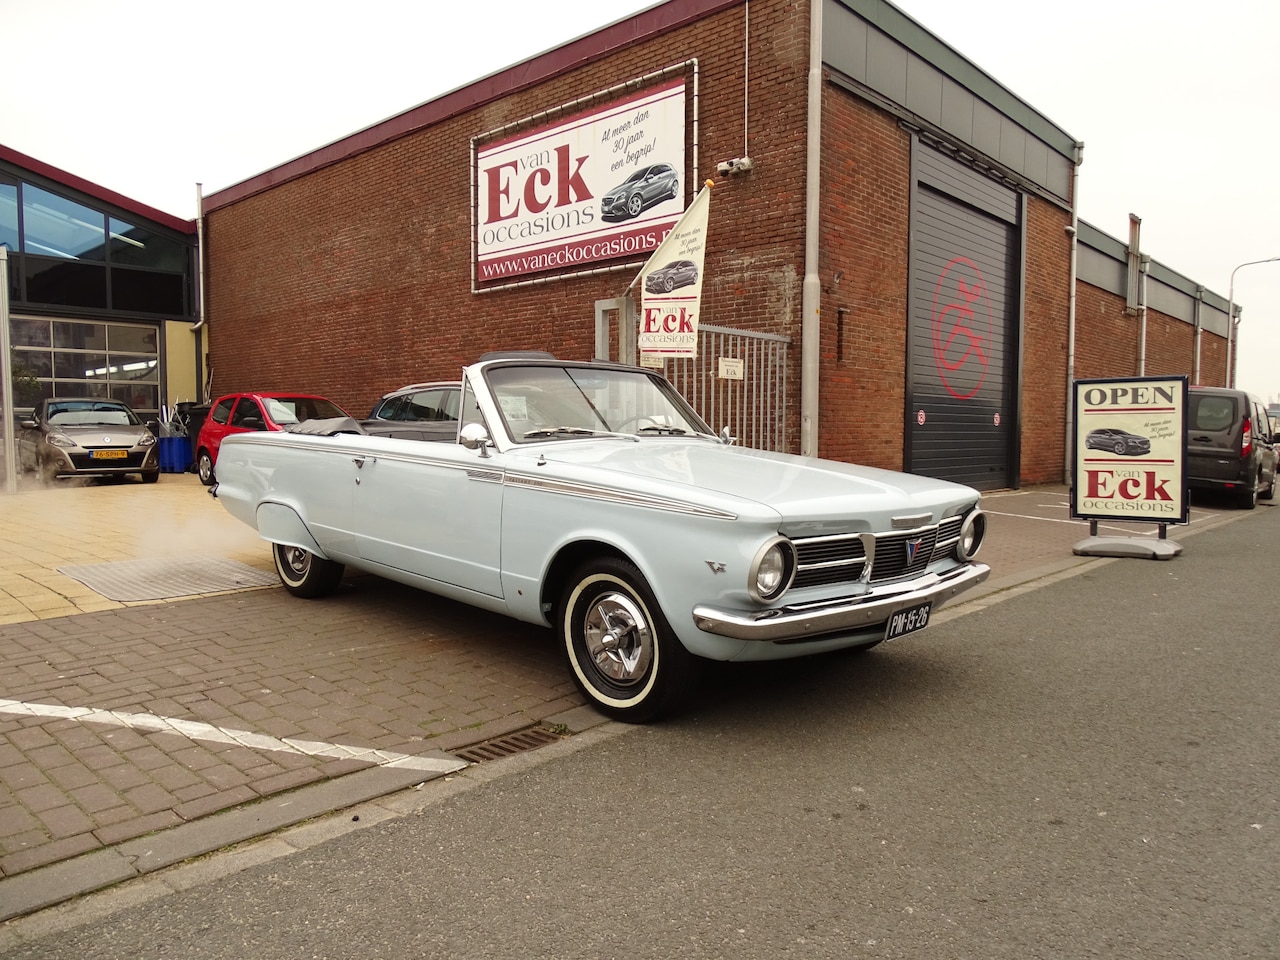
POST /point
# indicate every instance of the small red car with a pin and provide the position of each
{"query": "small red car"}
(245, 412)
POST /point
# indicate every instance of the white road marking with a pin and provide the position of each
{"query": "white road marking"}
(194, 730)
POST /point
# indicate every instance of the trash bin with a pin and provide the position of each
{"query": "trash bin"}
(195, 414)
(175, 454)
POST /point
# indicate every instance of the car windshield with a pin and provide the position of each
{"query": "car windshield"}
(555, 403)
(73, 413)
(284, 410)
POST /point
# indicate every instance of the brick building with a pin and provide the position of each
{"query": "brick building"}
(895, 269)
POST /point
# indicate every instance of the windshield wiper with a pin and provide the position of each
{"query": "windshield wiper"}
(560, 432)
(663, 430)
(577, 432)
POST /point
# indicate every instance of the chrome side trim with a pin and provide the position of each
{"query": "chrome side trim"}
(611, 495)
(813, 621)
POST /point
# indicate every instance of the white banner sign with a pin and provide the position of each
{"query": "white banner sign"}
(601, 186)
(671, 285)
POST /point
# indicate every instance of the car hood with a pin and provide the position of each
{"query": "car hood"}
(100, 435)
(800, 490)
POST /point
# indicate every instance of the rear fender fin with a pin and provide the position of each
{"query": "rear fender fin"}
(279, 523)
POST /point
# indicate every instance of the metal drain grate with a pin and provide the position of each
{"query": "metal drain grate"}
(506, 746)
(167, 578)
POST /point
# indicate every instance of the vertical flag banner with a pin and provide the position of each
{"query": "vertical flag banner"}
(671, 286)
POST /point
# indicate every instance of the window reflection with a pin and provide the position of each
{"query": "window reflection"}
(57, 227)
(9, 216)
(140, 247)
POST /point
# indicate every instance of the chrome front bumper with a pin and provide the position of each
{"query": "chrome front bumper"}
(813, 621)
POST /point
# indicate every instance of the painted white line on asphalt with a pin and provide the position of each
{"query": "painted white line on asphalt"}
(194, 730)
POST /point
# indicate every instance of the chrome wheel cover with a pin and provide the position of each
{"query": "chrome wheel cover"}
(297, 560)
(618, 637)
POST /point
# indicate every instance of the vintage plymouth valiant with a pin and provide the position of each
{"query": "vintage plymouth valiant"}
(591, 498)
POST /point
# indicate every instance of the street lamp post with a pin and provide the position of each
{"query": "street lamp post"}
(1231, 321)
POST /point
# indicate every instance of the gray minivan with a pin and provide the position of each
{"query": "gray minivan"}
(1230, 445)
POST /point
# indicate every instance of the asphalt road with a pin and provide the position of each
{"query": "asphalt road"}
(1088, 769)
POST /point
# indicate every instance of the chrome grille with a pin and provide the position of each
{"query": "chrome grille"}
(823, 560)
(842, 558)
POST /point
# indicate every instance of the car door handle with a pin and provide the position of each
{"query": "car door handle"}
(359, 461)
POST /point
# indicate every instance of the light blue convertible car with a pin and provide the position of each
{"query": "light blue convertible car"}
(591, 498)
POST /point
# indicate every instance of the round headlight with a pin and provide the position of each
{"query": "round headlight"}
(772, 570)
(972, 534)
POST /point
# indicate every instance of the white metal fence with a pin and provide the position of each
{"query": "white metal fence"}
(755, 406)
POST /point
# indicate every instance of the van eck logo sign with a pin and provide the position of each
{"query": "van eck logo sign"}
(1129, 449)
(547, 178)
(603, 185)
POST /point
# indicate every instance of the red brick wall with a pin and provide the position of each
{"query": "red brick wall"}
(356, 279)
(1044, 342)
(866, 202)
(1108, 342)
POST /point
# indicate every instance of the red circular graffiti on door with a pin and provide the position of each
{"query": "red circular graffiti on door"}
(962, 328)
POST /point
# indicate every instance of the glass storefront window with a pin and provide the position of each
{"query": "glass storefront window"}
(71, 358)
(80, 336)
(54, 226)
(133, 339)
(81, 366)
(29, 333)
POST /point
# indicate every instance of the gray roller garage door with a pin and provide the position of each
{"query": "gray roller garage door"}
(963, 343)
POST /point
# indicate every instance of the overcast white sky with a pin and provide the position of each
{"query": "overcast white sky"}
(1176, 102)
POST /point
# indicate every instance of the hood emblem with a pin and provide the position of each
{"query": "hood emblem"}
(715, 565)
(913, 546)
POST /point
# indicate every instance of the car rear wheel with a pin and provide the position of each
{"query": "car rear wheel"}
(1247, 496)
(623, 655)
(303, 573)
(1270, 492)
(204, 467)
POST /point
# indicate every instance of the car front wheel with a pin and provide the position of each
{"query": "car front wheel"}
(204, 467)
(303, 573)
(635, 204)
(622, 654)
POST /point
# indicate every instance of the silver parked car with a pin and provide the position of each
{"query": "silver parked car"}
(590, 498)
(87, 436)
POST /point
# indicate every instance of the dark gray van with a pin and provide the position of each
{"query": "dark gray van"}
(1230, 445)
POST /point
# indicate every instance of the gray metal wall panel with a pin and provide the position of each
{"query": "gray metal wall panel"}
(1170, 301)
(886, 67)
(957, 111)
(1099, 270)
(924, 91)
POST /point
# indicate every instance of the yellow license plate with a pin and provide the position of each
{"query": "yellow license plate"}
(109, 454)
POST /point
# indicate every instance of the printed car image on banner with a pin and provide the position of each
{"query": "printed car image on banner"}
(671, 287)
(1129, 449)
(603, 185)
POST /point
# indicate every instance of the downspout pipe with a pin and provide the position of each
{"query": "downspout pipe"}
(199, 324)
(811, 289)
(1144, 271)
(1073, 232)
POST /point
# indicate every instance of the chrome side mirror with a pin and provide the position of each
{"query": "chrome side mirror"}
(474, 436)
(726, 438)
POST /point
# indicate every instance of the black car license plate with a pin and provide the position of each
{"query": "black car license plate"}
(908, 621)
